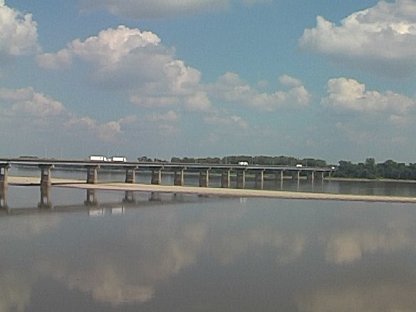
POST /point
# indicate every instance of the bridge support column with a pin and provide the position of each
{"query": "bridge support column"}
(3, 197)
(241, 179)
(279, 176)
(91, 199)
(130, 175)
(204, 178)
(225, 179)
(4, 173)
(179, 177)
(45, 175)
(4, 168)
(92, 174)
(312, 177)
(156, 176)
(260, 179)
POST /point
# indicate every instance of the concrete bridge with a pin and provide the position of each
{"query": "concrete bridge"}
(179, 170)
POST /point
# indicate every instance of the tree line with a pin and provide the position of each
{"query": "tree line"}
(372, 170)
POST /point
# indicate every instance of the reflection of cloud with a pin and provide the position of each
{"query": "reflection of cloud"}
(15, 291)
(378, 298)
(26, 228)
(233, 246)
(351, 245)
(125, 276)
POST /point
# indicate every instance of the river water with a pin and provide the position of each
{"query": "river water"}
(188, 253)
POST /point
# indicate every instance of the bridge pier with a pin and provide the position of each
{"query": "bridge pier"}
(4, 169)
(241, 179)
(156, 176)
(131, 175)
(226, 178)
(92, 174)
(279, 176)
(204, 178)
(260, 179)
(45, 175)
(3, 197)
(179, 177)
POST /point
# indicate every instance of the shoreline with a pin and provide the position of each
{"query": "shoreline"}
(209, 191)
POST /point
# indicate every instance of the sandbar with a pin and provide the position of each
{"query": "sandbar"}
(211, 191)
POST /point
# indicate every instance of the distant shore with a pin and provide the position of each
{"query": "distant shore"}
(207, 191)
(337, 179)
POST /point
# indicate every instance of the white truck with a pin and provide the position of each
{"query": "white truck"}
(97, 158)
(243, 163)
(118, 159)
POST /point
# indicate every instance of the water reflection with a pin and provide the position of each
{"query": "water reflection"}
(215, 255)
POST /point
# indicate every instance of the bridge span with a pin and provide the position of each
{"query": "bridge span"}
(157, 168)
(227, 172)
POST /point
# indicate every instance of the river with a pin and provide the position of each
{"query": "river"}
(190, 253)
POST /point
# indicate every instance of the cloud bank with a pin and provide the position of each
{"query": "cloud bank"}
(382, 37)
(160, 8)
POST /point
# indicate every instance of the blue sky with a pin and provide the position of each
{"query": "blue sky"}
(324, 79)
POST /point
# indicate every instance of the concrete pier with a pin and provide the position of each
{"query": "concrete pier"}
(3, 197)
(4, 168)
(241, 179)
(179, 177)
(260, 179)
(204, 178)
(92, 174)
(45, 175)
(226, 179)
(130, 174)
(156, 176)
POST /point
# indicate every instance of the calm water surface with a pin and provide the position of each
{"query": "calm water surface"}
(166, 253)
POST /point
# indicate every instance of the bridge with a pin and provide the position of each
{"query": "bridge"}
(156, 169)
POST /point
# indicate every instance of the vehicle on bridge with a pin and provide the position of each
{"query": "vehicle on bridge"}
(97, 158)
(118, 159)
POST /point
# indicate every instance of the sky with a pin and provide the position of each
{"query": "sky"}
(327, 79)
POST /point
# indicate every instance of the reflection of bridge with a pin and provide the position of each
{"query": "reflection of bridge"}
(91, 204)
(131, 169)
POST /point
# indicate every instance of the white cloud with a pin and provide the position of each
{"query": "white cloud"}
(105, 50)
(130, 59)
(225, 121)
(231, 88)
(34, 110)
(161, 8)
(383, 37)
(18, 32)
(107, 132)
(28, 102)
(350, 95)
